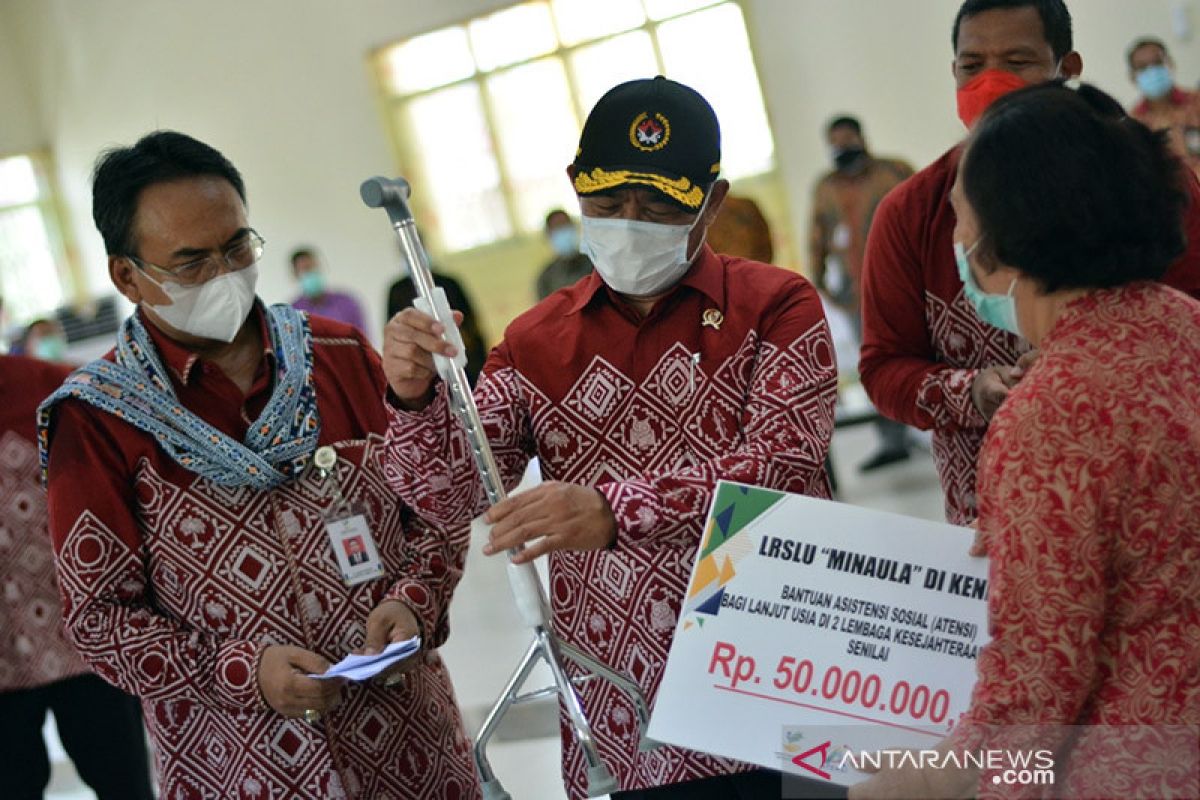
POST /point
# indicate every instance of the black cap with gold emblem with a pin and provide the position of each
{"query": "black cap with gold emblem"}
(655, 133)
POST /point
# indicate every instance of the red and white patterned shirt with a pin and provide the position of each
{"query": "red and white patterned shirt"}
(651, 412)
(33, 650)
(923, 343)
(1090, 502)
(173, 586)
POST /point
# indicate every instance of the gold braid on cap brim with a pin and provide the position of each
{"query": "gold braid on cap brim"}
(599, 179)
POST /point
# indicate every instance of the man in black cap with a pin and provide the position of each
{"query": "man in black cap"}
(667, 369)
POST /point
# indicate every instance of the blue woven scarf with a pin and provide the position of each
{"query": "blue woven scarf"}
(137, 389)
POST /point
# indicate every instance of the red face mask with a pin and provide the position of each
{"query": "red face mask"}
(984, 89)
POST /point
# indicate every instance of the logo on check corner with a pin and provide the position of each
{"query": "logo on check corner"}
(807, 760)
(820, 760)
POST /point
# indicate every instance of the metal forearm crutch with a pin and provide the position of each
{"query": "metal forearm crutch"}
(392, 196)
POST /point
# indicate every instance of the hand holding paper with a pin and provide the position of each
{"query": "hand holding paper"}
(365, 667)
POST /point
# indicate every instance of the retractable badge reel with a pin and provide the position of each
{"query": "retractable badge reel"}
(346, 523)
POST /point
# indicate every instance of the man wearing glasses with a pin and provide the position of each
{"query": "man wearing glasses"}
(204, 478)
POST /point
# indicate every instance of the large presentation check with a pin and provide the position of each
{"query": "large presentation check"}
(813, 629)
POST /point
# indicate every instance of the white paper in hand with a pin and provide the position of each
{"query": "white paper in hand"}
(361, 668)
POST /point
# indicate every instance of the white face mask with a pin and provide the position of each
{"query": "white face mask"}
(214, 309)
(640, 259)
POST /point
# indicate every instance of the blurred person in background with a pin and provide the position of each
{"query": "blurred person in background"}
(844, 203)
(43, 339)
(741, 230)
(569, 266)
(317, 298)
(1164, 105)
(99, 725)
(402, 293)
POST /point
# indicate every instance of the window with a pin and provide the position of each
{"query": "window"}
(486, 115)
(31, 247)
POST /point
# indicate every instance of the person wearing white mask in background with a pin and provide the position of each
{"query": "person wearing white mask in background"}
(1164, 105)
(568, 265)
(206, 479)
(669, 368)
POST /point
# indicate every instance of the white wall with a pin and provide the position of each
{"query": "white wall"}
(20, 127)
(282, 87)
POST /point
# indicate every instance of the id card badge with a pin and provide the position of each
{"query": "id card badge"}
(349, 532)
(353, 546)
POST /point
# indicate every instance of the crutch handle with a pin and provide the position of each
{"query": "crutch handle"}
(384, 192)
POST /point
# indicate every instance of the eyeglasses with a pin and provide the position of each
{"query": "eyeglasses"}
(246, 252)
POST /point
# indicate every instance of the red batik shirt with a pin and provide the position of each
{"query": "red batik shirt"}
(33, 650)
(1089, 499)
(608, 400)
(923, 343)
(173, 585)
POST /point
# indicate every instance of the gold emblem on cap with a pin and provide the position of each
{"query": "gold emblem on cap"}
(649, 133)
(600, 179)
(712, 318)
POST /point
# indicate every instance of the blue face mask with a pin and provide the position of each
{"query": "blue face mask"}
(997, 310)
(1155, 81)
(312, 284)
(565, 241)
(50, 348)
